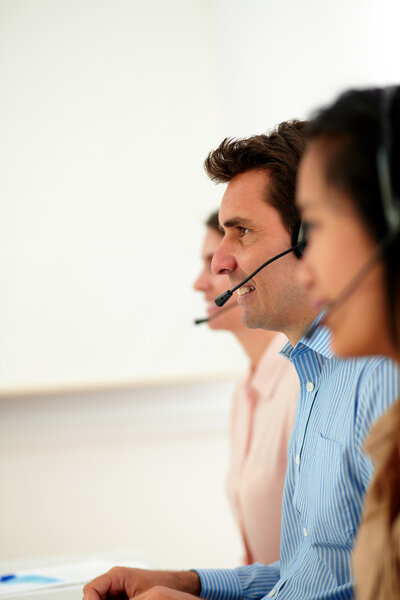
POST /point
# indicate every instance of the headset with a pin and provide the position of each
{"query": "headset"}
(215, 315)
(390, 206)
(390, 202)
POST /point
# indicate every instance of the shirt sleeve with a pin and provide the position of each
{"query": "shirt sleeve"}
(379, 389)
(244, 583)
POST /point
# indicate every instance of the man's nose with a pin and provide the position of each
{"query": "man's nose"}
(223, 261)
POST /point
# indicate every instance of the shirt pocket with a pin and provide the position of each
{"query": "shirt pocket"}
(331, 522)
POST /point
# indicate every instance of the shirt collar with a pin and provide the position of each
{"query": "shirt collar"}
(319, 341)
(265, 377)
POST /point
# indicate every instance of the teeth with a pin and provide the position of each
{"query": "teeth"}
(246, 289)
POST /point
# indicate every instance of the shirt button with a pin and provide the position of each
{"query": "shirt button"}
(305, 532)
(309, 386)
(297, 459)
(272, 593)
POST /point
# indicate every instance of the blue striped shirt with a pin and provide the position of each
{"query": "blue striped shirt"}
(327, 476)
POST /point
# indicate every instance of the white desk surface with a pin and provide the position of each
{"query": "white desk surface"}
(67, 591)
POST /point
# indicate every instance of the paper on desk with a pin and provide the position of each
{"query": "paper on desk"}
(70, 574)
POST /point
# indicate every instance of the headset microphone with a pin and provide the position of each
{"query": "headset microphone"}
(297, 249)
(214, 315)
(200, 321)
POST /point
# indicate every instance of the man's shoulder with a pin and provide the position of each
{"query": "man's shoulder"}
(366, 366)
(375, 378)
(373, 384)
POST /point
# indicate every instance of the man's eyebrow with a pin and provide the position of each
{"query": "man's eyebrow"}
(234, 222)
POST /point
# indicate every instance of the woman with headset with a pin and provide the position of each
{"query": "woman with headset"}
(349, 195)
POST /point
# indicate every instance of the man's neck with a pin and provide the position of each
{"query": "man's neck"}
(254, 342)
(295, 332)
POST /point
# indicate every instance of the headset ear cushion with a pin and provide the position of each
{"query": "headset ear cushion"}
(299, 237)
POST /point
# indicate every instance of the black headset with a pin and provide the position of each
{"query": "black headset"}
(299, 239)
(390, 202)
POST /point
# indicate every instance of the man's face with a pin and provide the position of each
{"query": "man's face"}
(213, 285)
(253, 233)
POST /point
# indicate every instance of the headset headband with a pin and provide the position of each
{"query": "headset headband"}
(390, 203)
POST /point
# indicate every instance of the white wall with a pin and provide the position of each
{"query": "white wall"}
(131, 472)
(280, 60)
(107, 111)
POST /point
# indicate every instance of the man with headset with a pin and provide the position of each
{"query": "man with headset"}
(328, 472)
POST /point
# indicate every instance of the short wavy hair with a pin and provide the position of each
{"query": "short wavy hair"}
(277, 152)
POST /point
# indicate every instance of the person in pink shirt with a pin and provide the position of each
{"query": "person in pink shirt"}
(262, 416)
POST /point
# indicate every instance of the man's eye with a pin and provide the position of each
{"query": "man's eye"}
(243, 231)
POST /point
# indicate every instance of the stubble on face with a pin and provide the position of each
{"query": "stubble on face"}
(283, 306)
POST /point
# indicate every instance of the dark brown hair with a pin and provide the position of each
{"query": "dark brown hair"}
(278, 153)
(213, 222)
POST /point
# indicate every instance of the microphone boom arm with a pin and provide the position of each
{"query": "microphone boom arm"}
(223, 298)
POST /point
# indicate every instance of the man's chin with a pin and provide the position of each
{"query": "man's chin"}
(251, 321)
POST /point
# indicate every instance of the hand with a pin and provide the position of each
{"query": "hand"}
(160, 592)
(123, 583)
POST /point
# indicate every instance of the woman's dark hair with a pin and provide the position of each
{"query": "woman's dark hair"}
(353, 131)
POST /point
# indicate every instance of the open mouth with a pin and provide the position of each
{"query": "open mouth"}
(245, 289)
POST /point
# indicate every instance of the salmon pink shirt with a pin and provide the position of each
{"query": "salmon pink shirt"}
(262, 418)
